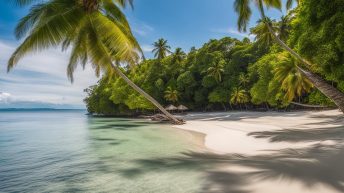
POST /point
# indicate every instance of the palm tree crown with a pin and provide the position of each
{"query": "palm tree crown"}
(96, 31)
(171, 94)
(292, 80)
(244, 80)
(243, 8)
(262, 33)
(216, 70)
(239, 96)
(178, 55)
(284, 27)
(161, 49)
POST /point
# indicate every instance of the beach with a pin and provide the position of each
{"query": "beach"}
(269, 152)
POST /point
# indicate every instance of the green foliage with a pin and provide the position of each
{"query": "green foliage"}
(239, 96)
(203, 76)
(261, 71)
(96, 31)
(171, 94)
(232, 72)
(161, 49)
(317, 98)
(218, 96)
(319, 36)
(293, 83)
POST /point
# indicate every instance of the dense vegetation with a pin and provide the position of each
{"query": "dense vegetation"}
(232, 74)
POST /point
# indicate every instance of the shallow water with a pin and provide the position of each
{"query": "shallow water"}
(67, 151)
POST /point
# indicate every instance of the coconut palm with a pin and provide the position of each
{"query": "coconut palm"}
(216, 70)
(243, 79)
(171, 94)
(284, 27)
(262, 33)
(289, 3)
(95, 31)
(239, 96)
(242, 7)
(178, 55)
(293, 82)
(161, 49)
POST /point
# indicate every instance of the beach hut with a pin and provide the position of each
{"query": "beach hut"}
(182, 108)
(171, 108)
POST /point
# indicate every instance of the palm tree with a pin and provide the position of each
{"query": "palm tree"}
(96, 31)
(293, 83)
(284, 27)
(289, 3)
(262, 33)
(243, 79)
(242, 7)
(161, 49)
(239, 96)
(178, 55)
(216, 70)
(171, 94)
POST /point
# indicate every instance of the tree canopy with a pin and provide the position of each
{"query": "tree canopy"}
(228, 73)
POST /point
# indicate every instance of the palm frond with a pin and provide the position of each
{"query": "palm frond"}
(50, 31)
(242, 7)
(273, 3)
(22, 3)
(124, 3)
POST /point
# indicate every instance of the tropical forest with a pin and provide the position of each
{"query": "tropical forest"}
(231, 74)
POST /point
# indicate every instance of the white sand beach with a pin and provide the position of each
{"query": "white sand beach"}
(272, 152)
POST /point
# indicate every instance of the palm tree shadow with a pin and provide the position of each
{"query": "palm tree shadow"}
(225, 182)
(317, 164)
(302, 135)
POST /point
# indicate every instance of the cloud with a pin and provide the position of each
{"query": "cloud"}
(233, 32)
(4, 97)
(40, 79)
(147, 48)
(141, 28)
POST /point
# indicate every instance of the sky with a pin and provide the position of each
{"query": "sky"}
(40, 81)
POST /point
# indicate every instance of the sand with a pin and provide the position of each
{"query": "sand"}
(271, 152)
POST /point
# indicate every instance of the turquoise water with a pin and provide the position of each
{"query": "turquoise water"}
(67, 151)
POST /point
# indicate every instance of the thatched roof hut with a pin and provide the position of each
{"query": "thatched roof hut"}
(171, 108)
(182, 108)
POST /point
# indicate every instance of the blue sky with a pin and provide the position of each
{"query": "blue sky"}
(40, 80)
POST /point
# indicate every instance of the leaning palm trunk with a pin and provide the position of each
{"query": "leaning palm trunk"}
(328, 90)
(173, 119)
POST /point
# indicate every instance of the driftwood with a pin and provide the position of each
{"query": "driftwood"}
(162, 117)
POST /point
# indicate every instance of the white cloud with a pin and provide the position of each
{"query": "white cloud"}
(147, 48)
(233, 32)
(4, 97)
(41, 78)
(141, 28)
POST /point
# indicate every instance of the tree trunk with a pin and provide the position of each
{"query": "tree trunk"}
(329, 91)
(173, 119)
(332, 93)
(224, 106)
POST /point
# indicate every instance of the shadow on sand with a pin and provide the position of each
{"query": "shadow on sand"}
(317, 164)
(302, 135)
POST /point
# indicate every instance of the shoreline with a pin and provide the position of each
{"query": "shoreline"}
(145, 116)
